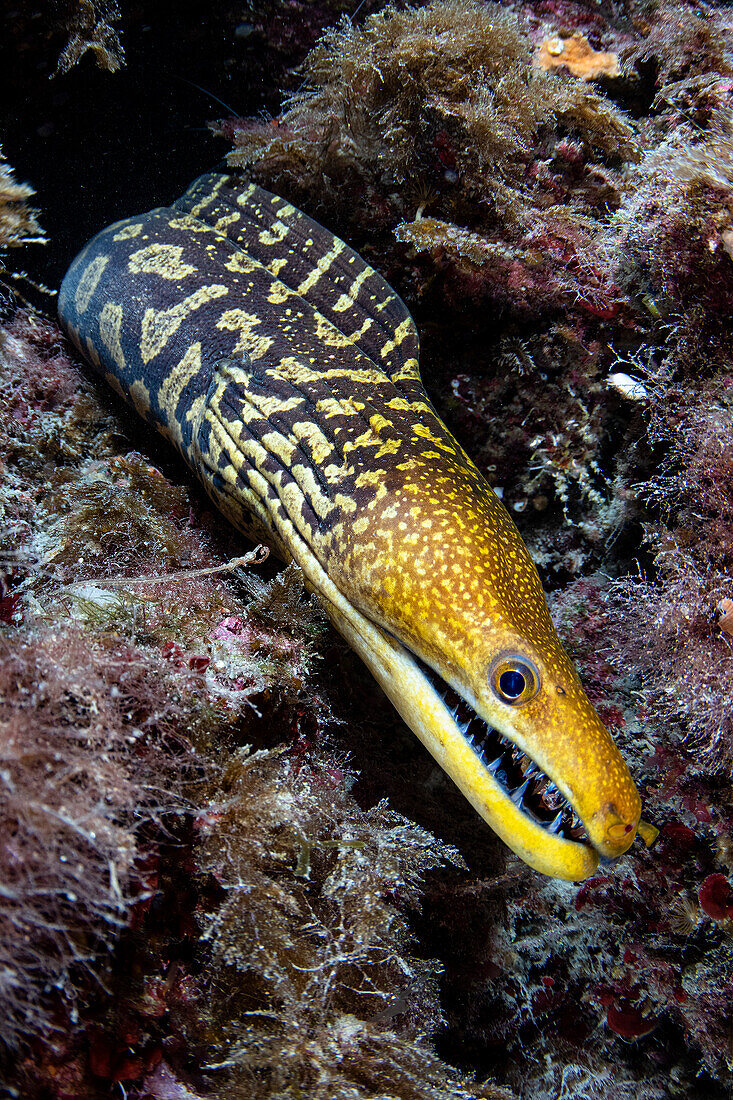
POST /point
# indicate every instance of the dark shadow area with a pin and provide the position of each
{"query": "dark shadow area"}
(98, 146)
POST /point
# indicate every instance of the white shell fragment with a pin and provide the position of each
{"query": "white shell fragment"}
(628, 387)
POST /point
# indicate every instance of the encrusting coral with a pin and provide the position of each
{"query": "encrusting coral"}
(576, 54)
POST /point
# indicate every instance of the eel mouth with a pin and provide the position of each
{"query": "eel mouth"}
(515, 798)
(521, 779)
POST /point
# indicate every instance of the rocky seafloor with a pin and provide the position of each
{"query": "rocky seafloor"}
(226, 867)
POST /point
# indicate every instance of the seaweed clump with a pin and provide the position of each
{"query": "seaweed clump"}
(676, 228)
(679, 617)
(675, 251)
(89, 24)
(180, 914)
(66, 30)
(18, 221)
(678, 43)
(89, 763)
(311, 985)
(441, 109)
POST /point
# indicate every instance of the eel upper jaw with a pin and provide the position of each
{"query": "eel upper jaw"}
(433, 711)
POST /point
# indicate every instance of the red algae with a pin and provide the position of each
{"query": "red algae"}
(716, 897)
(628, 1022)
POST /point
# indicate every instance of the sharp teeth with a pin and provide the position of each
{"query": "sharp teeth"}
(487, 741)
(518, 795)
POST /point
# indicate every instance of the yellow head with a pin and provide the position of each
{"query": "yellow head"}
(477, 668)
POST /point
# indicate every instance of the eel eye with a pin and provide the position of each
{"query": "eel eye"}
(514, 680)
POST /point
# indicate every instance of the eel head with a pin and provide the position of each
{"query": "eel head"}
(458, 633)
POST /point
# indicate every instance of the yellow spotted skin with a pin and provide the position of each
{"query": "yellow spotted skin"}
(285, 371)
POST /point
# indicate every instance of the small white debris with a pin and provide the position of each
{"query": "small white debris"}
(628, 387)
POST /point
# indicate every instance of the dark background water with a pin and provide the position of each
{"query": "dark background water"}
(98, 146)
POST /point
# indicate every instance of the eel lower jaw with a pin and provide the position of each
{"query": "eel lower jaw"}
(503, 785)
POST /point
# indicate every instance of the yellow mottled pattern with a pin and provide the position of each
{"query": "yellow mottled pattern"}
(369, 477)
(189, 224)
(128, 232)
(321, 267)
(276, 233)
(309, 486)
(245, 194)
(110, 329)
(240, 264)
(346, 504)
(226, 221)
(279, 294)
(91, 352)
(88, 283)
(319, 446)
(333, 337)
(158, 326)
(347, 300)
(140, 397)
(422, 431)
(208, 198)
(245, 324)
(169, 394)
(277, 265)
(163, 260)
(328, 407)
(401, 332)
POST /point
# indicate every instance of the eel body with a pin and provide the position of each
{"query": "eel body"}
(285, 371)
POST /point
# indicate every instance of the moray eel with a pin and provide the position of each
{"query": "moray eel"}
(285, 371)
